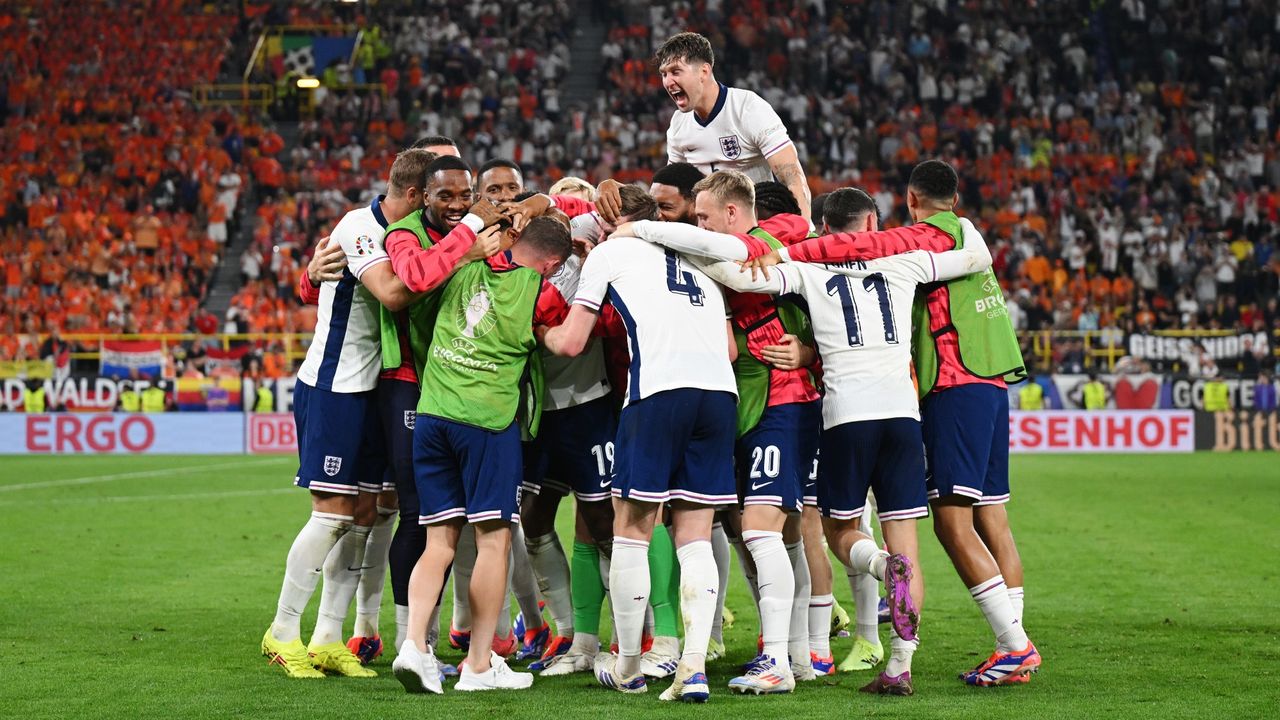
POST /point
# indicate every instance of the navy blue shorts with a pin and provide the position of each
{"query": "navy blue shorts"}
(339, 441)
(775, 458)
(966, 440)
(886, 456)
(810, 497)
(465, 471)
(397, 401)
(677, 445)
(573, 452)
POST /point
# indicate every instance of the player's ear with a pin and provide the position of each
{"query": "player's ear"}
(955, 201)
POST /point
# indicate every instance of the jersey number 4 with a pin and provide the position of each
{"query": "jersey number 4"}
(874, 283)
(682, 282)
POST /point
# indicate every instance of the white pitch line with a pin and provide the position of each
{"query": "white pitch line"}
(67, 482)
(172, 497)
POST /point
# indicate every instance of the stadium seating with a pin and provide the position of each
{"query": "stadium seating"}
(110, 179)
(1125, 184)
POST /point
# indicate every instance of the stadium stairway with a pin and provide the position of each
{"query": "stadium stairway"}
(584, 52)
(226, 277)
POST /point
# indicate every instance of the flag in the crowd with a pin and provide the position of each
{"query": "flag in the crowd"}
(306, 55)
(200, 394)
(120, 358)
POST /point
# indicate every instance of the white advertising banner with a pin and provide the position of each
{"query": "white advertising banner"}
(123, 433)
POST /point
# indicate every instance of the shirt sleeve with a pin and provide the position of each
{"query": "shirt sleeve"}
(551, 309)
(423, 269)
(572, 206)
(696, 241)
(674, 153)
(363, 250)
(309, 294)
(730, 275)
(765, 129)
(843, 247)
(593, 283)
(975, 257)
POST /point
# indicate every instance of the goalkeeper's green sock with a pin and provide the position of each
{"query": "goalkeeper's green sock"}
(588, 592)
(664, 584)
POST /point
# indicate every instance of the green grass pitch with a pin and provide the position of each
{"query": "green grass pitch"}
(140, 587)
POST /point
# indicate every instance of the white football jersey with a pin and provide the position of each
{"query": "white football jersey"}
(862, 325)
(741, 133)
(674, 315)
(577, 380)
(345, 355)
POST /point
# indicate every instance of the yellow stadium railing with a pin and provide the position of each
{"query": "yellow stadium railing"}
(294, 344)
(243, 95)
(1101, 349)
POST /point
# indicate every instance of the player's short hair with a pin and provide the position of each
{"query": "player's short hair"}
(497, 163)
(815, 206)
(446, 162)
(548, 237)
(934, 180)
(433, 140)
(409, 170)
(681, 176)
(570, 184)
(728, 186)
(637, 204)
(774, 198)
(524, 196)
(688, 46)
(845, 207)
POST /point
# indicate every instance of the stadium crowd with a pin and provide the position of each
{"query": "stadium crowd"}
(1126, 185)
(115, 193)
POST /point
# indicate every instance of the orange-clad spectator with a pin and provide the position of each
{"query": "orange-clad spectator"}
(1037, 269)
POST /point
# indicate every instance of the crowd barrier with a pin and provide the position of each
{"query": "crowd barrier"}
(1044, 431)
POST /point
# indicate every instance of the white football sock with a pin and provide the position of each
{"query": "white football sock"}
(341, 578)
(777, 588)
(585, 643)
(433, 626)
(1015, 599)
(720, 550)
(798, 639)
(302, 570)
(551, 568)
(698, 590)
(629, 595)
(866, 605)
(464, 559)
(373, 573)
(866, 557)
(503, 628)
(900, 653)
(523, 584)
(993, 599)
(820, 624)
(402, 626)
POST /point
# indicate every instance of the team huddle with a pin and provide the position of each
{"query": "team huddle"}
(705, 367)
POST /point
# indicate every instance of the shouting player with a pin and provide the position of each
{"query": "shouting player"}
(717, 127)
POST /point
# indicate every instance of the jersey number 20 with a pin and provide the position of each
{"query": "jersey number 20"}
(874, 283)
(682, 282)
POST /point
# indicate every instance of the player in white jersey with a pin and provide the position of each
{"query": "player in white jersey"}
(716, 126)
(674, 443)
(574, 453)
(338, 431)
(871, 437)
